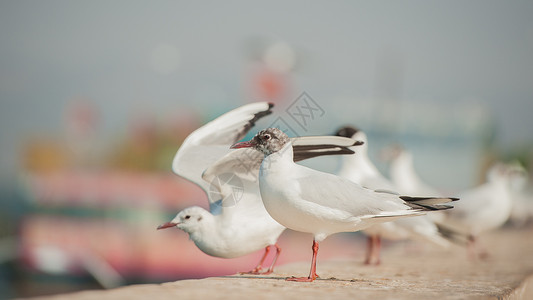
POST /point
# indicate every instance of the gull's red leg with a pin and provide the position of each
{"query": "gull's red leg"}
(369, 249)
(482, 251)
(471, 247)
(259, 266)
(373, 250)
(476, 249)
(271, 269)
(378, 250)
(312, 273)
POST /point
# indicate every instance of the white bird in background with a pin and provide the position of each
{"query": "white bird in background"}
(359, 169)
(485, 207)
(237, 222)
(307, 200)
(521, 193)
(403, 174)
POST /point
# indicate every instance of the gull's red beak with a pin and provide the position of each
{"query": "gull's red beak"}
(247, 144)
(166, 225)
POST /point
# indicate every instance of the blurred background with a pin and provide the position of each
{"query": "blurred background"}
(96, 97)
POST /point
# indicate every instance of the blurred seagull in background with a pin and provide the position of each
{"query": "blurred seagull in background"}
(403, 174)
(485, 207)
(522, 211)
(319, 203)
(359, 169)
(237, 222)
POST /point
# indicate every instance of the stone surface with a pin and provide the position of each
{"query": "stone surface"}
(407, 272)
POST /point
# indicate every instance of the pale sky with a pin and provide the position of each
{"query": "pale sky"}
(160, 56)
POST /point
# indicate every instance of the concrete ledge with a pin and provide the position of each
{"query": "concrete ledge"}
(407, 272)
(523, 291)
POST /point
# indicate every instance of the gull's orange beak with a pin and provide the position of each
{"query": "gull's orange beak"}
(247, 144)
(166, 225)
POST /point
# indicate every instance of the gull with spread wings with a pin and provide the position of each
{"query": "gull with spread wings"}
(237, 222)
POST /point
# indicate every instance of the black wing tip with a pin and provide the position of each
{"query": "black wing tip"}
(452, 235)
(300, 154)
(409, 198)
(417, 198)
(414, 202)
(251, 122)
(443, 207)
(261, 114)
(424, 207)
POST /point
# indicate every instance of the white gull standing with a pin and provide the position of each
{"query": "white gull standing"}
(320, 203)
(360, 169)
(485, 207)
(522, 211)
(403, 174)
(237, 222)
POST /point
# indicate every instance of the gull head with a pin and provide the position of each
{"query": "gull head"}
(188, 220)
(392, 152)
(353, 133)
(267, 141)
(514, 173)
(346, 131)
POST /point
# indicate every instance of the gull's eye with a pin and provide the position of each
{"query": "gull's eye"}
(187, 217)
(266, 137)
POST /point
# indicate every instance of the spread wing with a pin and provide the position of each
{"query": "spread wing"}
(240, 169)
(210, 142)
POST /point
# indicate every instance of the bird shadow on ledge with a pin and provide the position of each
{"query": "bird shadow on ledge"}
(285, 277)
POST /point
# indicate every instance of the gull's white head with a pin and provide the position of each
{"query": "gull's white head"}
(188, 220)
(353, 133)
(512, 172)
(358, 135)
(393, 152)
(267, 141)
(346, 131)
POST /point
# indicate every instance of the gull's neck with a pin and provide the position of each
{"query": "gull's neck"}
(278, 161)
(499, 181)
(358, 166)
(210, 238)
(204, 232)
(358, 163)
(402, 171)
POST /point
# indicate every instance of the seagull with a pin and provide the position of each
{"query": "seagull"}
(407, 181)
(360, 169)
(485, 207)
(522, 211)
(307, 200)
(403, 174)
(237, 222)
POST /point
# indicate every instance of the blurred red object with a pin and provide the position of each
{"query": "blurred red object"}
(113, 216)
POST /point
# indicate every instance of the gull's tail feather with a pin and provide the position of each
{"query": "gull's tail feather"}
(428, 203)
(453, 235)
